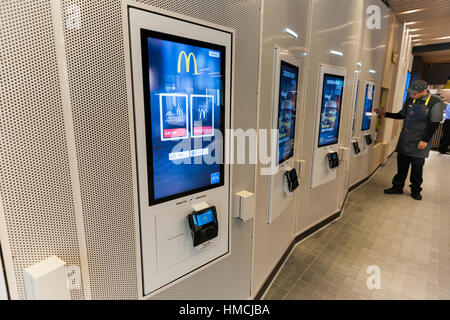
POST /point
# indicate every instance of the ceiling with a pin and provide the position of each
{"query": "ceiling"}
(435, 57)
(432, 19)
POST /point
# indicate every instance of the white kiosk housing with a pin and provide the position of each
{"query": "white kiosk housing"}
(329, 106)
(369, 97)
(285, 104)
(181, 82)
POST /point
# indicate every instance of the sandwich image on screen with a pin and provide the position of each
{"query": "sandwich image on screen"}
(184, 84)
(333, 87)
(287, 110)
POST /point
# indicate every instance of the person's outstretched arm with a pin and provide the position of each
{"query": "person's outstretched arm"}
(398, 116)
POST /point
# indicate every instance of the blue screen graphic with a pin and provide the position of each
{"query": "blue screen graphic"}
(205, 218)
(408, 81)
(333, 87)
(287, 111)
(184, 92)
(368, 103)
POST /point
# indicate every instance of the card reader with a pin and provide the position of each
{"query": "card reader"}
(291, 179)
(333, 160)
(356, 147)
(368, 139)
(203, 225)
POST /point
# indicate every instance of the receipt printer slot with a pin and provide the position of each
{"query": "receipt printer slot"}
(368, 139)
(291, 179)
(356, 147)
(333, 160)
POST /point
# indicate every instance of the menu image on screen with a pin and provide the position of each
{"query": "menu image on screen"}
(368, 103)
(333, 87)
(184, 107)
(287, 110)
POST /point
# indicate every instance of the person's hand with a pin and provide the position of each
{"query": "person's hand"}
(380, 112)
(422, 145)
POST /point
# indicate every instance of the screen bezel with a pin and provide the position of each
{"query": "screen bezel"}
(289, 65)
(321, 109)
(364, 108)
(144, 35)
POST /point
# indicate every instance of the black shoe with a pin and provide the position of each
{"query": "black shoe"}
(393, 190)
(444, 152)
(416, 195)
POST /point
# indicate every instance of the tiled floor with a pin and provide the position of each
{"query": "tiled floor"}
(408, 240)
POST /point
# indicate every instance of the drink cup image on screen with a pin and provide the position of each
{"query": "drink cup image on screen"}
(202, 115)
(331, 109)
(184, 81)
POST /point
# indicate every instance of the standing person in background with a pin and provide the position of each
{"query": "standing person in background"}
(422, 113)
(445, 140)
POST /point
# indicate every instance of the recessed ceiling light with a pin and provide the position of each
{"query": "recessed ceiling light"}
(411, 11)
(372, 71)
(291, 32)
(442, 38)
(337, 53)
(410, 23)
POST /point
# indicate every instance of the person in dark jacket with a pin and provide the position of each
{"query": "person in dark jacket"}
(422, 113)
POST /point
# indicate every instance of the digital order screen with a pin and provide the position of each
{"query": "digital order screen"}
(333, 88)
(355, 107)
(287, 110)
(184, 83)
(368, 103)
(408, 81)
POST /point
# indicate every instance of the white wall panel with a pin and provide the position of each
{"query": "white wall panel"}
(334, 27)
(37, 213)
(372, 55)
(271, 241)
(35, 175)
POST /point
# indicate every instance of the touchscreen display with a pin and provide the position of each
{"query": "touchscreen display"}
(184, 115)
(408, 82)
(368, 103)
(333, 88)
(287, 110)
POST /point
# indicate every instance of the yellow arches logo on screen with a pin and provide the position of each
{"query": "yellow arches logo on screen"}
(187, 60)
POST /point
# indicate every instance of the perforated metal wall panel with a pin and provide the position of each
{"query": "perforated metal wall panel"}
(35, 185)
(35, 180)
(96, 69)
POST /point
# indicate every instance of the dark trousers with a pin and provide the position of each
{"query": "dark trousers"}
(403, 163)
(445, 140)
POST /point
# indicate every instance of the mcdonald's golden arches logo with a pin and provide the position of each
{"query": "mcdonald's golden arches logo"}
(187, 60)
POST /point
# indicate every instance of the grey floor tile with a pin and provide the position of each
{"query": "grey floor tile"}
(408, 240)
